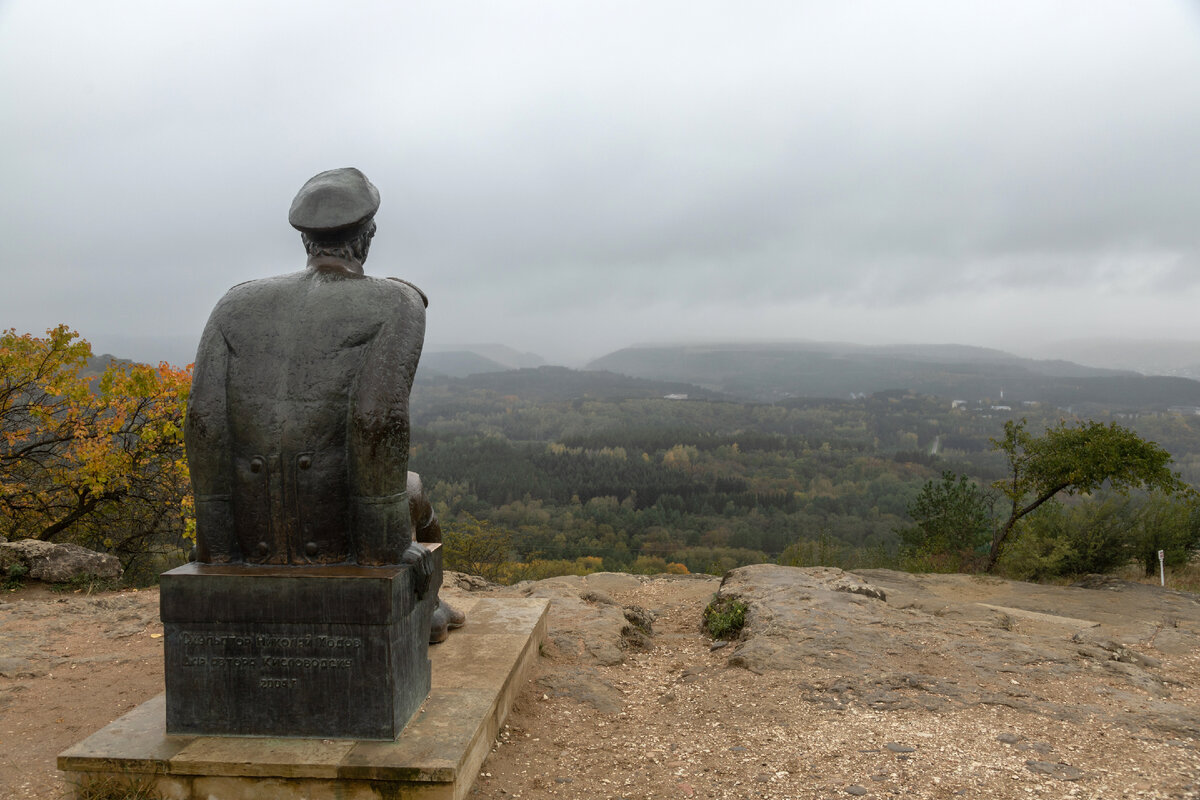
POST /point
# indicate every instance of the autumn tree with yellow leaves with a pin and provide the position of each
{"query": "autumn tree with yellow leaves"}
(96, 460)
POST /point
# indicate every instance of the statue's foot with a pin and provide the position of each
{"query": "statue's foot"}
(454, 617)
(444, 618)
(438, 633)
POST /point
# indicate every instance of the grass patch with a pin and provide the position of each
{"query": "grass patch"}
(725, 617)
(114, 787)
(1185, 578)
(87, 584)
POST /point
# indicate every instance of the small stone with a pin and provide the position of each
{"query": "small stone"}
(856, 790)
(1008, 738)
(564, 780)
(717, 645)
(737, 749)
(896, 747)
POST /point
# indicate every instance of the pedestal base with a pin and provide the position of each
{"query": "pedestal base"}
(476, 674)
(327, 652)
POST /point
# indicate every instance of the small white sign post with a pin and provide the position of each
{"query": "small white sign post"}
(1162, 574)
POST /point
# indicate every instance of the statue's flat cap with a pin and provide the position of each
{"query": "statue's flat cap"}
(334, 201)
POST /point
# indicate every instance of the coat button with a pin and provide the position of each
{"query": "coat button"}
(310, 549)
(256, 464)
(305, 462)
(263, 549)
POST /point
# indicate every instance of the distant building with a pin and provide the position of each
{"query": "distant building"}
(1188, 410)
(958, 404)
(675, 397)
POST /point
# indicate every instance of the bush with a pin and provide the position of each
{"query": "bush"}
(14, 576)
(826, 551)
(1101, 535)
(476, 547)
(725, 617)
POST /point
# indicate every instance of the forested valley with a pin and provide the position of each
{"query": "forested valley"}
(534, 483)
(543, 471)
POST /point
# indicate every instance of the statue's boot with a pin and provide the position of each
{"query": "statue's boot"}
(444, 618)
(454, 617)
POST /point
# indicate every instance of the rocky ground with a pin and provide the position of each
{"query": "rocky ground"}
(874, 684)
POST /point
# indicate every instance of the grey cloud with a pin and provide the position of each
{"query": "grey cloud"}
(545, 167)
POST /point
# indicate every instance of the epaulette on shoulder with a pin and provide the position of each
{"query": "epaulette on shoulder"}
(424, 298)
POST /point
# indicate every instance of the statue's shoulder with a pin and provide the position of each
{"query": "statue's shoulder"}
(253, 295)
(414, 287)
(257, 285)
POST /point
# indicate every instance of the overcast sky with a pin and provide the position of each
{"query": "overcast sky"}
(574, 177)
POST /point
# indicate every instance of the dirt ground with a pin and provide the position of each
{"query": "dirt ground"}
(69, 665)
(673, 720)
(684, 724)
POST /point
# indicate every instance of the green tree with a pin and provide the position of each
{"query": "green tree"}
(476, 547)
(1074, 459)
(953, 521)
(1170, 524)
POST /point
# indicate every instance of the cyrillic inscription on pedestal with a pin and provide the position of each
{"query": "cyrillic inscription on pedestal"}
(311, 652)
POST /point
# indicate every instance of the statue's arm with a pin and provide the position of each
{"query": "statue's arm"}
(379, 435)
(207, 442)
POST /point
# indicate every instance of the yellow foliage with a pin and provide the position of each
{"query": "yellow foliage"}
(77, 449)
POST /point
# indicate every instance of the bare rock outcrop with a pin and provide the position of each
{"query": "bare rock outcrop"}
(586, 622)
(52, 562)
(891, 640)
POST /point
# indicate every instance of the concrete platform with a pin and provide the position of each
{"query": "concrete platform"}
(477, 673)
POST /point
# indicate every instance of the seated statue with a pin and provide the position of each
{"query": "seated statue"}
(297, 428)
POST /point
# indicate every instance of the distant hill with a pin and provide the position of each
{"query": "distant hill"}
(98, 363)
(471, 359)
(552, 384)
(1149, 357)
(456, 364)
(774, 372)
(504, 355)
(500, 355)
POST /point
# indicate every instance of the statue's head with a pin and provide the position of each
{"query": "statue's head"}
(335, 214)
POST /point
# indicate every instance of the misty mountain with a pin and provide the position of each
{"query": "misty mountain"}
(773, 372)
(502, 354)
(1149, 357)
(460, 362)
(551, 384)
(98, 363)
(456, 364)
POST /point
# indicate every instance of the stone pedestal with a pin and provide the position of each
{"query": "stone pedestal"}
(476, 674)
(317, 652)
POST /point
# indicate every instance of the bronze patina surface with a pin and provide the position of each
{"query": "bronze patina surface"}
(310, 608)
(297, 427)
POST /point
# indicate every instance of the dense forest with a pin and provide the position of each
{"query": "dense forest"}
(546, 470)
(643, 482)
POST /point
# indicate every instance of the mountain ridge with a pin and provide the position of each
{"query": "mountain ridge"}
(771, 372)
